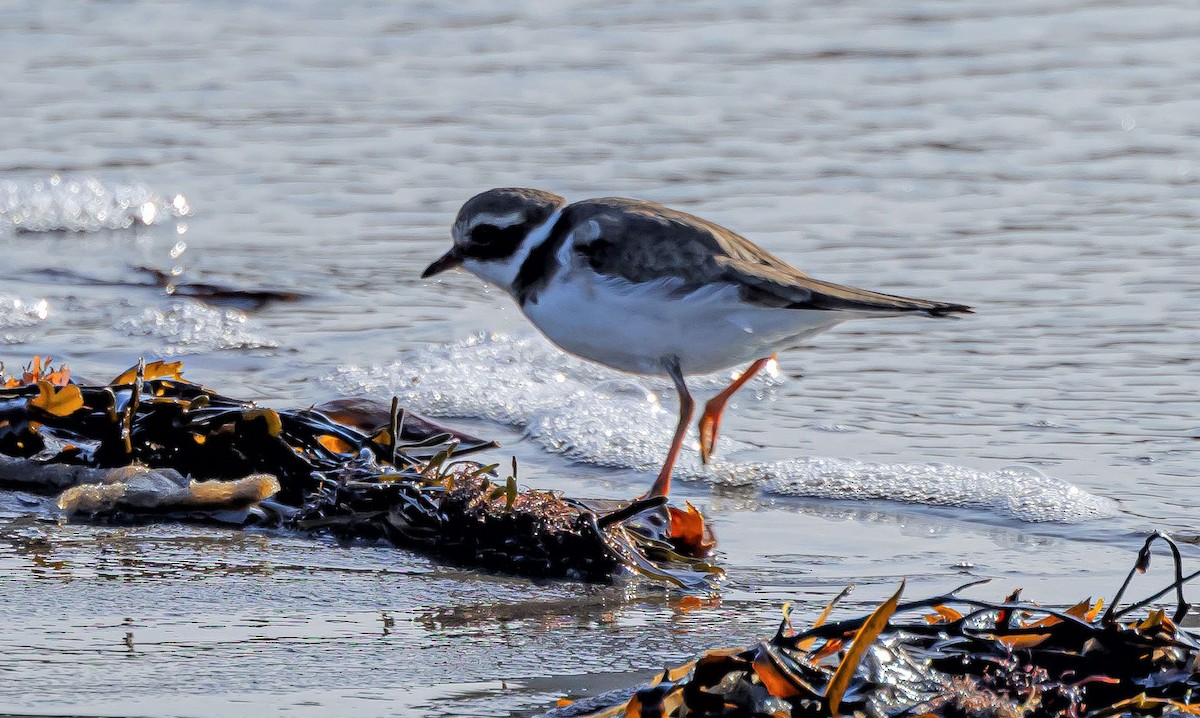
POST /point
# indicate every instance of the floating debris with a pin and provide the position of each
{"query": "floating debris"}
(137, 489)
(150, 444)
(141, 277)
(955, 657)
(219, 294)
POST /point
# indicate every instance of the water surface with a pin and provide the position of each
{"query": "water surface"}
(1033, 159)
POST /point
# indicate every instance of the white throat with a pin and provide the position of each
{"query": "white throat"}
(503, 271)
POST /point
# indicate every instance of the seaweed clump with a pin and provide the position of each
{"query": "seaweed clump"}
(955, 657)
(150, 444)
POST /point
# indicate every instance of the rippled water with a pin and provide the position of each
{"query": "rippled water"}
(1035, 160)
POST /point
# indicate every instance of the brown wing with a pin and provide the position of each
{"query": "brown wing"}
(642, 241)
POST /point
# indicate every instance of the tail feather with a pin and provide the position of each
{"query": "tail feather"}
(774, 283)
(827, 295)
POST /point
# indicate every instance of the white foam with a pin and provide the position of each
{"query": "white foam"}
(594, 415)
(188, 327)
(83, 204)
(1021, 492)
(20, 312)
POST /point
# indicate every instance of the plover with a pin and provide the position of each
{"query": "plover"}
(646, 289)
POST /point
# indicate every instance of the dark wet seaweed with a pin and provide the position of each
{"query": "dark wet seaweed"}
(956, 657)
(332, 468)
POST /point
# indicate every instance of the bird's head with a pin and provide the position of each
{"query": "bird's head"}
(492, 233)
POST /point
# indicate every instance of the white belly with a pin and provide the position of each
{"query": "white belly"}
(634, 327)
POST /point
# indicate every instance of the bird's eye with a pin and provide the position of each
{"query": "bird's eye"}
(485, 234)
(487, 241)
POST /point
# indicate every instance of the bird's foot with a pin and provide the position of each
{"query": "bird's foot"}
(709, 424)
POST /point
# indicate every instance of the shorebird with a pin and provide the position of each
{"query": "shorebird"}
(650, 290)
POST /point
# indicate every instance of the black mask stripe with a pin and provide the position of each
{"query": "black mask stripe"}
(491, 242)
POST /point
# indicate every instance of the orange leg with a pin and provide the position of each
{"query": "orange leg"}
(710, 420)
(662, 485)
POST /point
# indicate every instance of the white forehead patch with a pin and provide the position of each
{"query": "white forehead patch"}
(496, 220)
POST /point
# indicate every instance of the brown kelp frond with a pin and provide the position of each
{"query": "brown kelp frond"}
(950, 656)
(39, 369)
(151, 443)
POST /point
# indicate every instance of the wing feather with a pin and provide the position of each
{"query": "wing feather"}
(642, 241)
